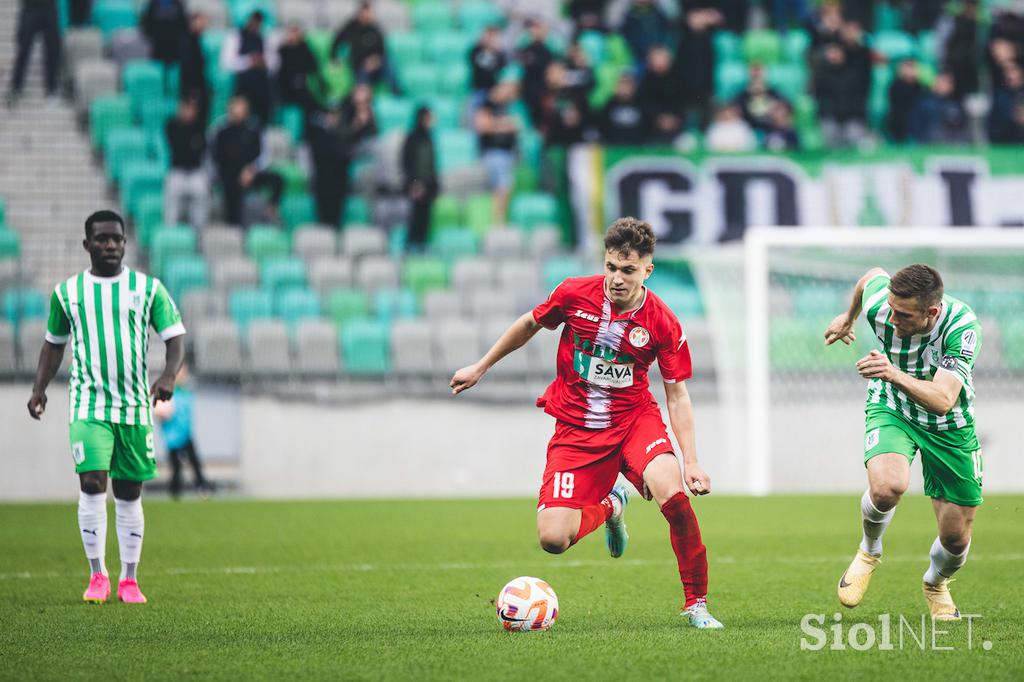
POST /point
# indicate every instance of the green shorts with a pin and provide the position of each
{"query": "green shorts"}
(950, 460)
(125, 451)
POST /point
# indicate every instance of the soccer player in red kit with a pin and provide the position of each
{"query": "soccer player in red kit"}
(608, 422)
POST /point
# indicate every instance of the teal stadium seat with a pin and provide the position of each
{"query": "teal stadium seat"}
(297, 209)
(789, 79)
(895, 45)
(124, 145)
(476, 15)
(10, 244)
(112, 15)
(392, 304)
(294, 305)
(25, 304)
(106, 113)
(143, 81)
(246, 305)
(420, 79)
(404, 48)
(393, 113)
(730, 78)
(283, 272)
(684, 301)
(455, 79)
(795, 45)
(456, 149)
(447, 112)
(148, 217)
(155, 112)
(593, 45)
(533, 208)
(266, 241)
(182, 274)
(449, 47)
(366, 347)
(139, 178)
(357, 211)
(558, 268)
(170, 242)
(431, 18)
(727, 47)
(241, 9)
(455, 242)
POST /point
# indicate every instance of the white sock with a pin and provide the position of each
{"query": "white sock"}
(944, 563)
(875, 523)
(92, 524)
(130, 527)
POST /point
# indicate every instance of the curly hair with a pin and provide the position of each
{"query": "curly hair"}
(918, 281)
(630, 234)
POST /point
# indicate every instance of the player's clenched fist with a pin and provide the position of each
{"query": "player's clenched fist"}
(840, 329)
(876, 365)
(465, 378)
(696, 479)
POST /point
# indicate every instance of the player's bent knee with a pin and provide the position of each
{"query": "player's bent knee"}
(93, 482)
(886, 494)
(956, 541)
(554, 544)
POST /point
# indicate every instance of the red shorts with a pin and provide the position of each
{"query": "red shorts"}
(583, 463)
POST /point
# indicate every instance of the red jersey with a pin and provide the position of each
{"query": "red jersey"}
(603, 356)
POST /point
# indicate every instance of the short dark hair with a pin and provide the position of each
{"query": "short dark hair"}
(104, 216)
(630, 234)
(918, 281)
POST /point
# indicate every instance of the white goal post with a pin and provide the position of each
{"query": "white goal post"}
(759, 243)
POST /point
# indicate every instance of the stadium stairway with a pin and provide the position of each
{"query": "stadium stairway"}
(47, 176)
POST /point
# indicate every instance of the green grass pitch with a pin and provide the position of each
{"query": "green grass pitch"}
(403, 590)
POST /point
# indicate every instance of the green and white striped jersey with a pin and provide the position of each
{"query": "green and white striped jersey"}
(951, 346)
(106, 321)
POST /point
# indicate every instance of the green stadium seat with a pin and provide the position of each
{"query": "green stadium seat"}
(456, 149)
(454, 242)
(449, 47)
(811, 138)
(338, 80)
(282, 272)
(392, 304)
(266, 241)
(366, 347)
(342, 305)
(10, 244)
(476, 15)
(25, 304)
(393, 113)
(727, 47)
(446, 212)
(357, 211)
(534, 208)
(170, 242)
(246, 305)
(480, 213)
(111, 15)
(143, 80)
(789, 79)
(185, 273)
(155, 112)
(526, 180)
(795, 45)
(295, 180)
(431, 18)
(455, 79)
(404, 48)
(423, 274)
(805, 110)
(420, 79)
(139, 178)
(106, 113)
(148, 217)
(730, 79)
(297, 209)
(606, 77)
(294, 305)
(895, 45)
(558, 268)
(124, 145)
(762, 47)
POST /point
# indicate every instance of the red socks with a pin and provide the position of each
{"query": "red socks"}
(684, 533)
(593, 517)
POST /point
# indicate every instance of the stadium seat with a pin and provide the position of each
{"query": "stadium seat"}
(411, 352)
(313, 241)
(727, 46)
(479, 209)
(106, 113)
(221, 241)
(684, 301)
(327, 274)
(82, 43)
(170, 242)
(139, 178)
(393, 14)
(895, 45)
(265, 241)
(143, 80)
(282, 272)
(198, 305)
(294, 304)
(9, 269)
(111, 15)
(795, 44)
(235, 273)
(342, 305)
(456, 149)
(441, 304)
(420, 79)
(545, 241)
(534, 208)
(478, 304)
(393, 113)
(297, 209)
(269, 352)
(431, 18)
(316, 348)
(246, 305)
(239, 11)
(10, 244)
(8, 357)
(448, 47)
(424, 273)
(456, 344)
(513, 367)
(392, 304)
(376, 272)
(789, 79)
(149, 213)
(593, 45)
(25, 304)
(454, 242)
(503, 243)
(357, 211)
(366, 348)
(473, 273)
(518, 274)
(557, 269)
(218, 349)
(124, 145)
(294, 177)
(357, 242)
(446, 212)
(730, 79)
(476, 15)
(404, 48)
(184, 273)
(762, 47)
(94, 78)
(448, 111)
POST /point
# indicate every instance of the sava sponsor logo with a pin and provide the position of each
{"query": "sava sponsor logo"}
(604, 373)
(655, 444)
(639, 337)
(587, 316)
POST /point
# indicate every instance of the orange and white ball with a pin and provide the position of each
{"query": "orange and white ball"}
(527, 604)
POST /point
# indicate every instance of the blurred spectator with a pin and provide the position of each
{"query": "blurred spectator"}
(587, 15)
(579, 74)
(861, 11)
(757, 100)
(419, 171)
(186, 182)
(781, 134)
(938, 118)
(570, 123)
(859, 57)
(644, 26)
(252, 58)
(365, 41)
(192, 82)
(1005, 46)
(238, 153)
(1005, 117)
(36, 17)
(841, 91)
(298, 66)
(904, 94)
(175, 417)
(734, 12)
(622, 121)
(79, 12)
(498, 134)
(486, 60)
(164, 23)
(333, 138)
(958, 35)
(659, 96)
(728, 132)
(827, 22)
(695, 58)
(535, 57)
(789, 13)
(921, 15)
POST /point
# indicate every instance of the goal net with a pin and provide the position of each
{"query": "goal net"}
(793, 409)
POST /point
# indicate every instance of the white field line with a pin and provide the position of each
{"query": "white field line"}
(475, 566)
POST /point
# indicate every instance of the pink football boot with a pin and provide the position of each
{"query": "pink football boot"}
(128, 592)
(98, 590)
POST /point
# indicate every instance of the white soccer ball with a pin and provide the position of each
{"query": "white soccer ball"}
(527, 604)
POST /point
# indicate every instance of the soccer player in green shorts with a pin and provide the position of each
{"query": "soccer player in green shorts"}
(920, 399)
(104, 314)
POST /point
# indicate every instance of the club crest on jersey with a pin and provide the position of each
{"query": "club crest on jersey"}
(639, 337)
(135, 301)
(948, 362)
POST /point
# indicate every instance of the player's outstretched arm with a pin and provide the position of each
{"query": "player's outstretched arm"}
(163, 387)
(841, 328)
(516, 336)
(680, 416)
(49, 362)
